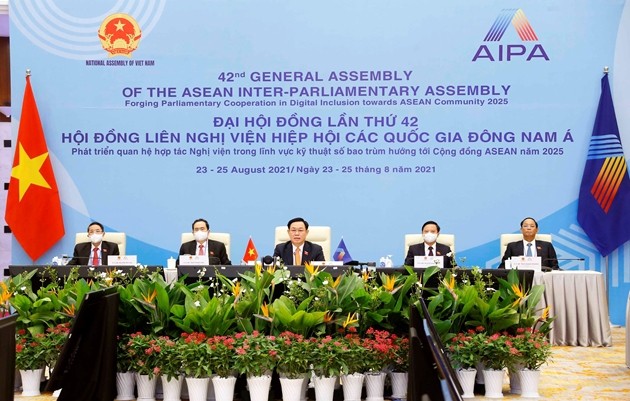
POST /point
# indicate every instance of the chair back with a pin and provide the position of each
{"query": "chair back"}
(118, 238)
(319, 235)
(444, 239)
(507, 238)
(221, 237)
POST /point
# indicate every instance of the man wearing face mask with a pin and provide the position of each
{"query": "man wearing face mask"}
(201, 245)
(95, 252)
(430, 246)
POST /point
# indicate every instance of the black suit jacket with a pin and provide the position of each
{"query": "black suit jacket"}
(544, 249)
(82, 256)
(310, 252)
(215, 248)
(440, 250)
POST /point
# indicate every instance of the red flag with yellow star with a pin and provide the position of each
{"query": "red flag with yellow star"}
(33, 210)
(251, 254)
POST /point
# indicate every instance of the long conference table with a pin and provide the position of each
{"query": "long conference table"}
(576, 298)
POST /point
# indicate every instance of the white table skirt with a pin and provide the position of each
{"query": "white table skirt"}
(578, 300)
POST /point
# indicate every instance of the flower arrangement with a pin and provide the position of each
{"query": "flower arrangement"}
(195, 354)
(465, 348)
(326, 357)
(353, 352)
(30, 354)
(498, 352)
(169, 359)
(534, 348)
(123, 358)
(53, 341)
(144, 352)
(256, 354)
(313, 305)
(222, 351)
(293, 355)
(378, 345)
(400, 361)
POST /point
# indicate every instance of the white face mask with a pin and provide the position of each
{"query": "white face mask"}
(96, 238)
(201, 235)
(430, 237)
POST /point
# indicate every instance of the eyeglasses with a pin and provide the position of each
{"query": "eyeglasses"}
(95, 232)
(200, 229)
(297, 230)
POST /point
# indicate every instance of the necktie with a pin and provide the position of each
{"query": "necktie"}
(529, 249)
(201, 250)
(430, 251)
(95, 257)
(297, 258)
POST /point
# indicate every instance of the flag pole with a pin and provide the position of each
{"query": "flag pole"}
(605, 266)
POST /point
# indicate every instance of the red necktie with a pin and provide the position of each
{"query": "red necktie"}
(430, 251)
(201, 250)
(95, 257)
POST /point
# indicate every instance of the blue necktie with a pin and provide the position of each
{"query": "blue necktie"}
(529, 249)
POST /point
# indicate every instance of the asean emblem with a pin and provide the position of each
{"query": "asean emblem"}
(119, 34)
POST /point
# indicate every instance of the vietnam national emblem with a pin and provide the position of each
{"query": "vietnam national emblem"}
(119, 34)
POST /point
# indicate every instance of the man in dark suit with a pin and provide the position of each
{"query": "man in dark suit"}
(430, 246)
(298, 250)
(201, 245)
(95, 252)
(544, 249)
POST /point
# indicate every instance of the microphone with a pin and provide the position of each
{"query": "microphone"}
(357, 263)
(557, 260)
(82, 261)
(267, 260)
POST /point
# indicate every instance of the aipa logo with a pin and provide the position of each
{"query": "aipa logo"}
(493, 51)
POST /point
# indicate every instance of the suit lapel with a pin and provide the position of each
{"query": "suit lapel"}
(306, 252)
(520, 250)
(422, 249)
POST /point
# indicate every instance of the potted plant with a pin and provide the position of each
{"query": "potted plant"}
(169, 361)
(327, 363)
(497, 353)
(222, 351)
(195, 357)
(256, 356)
(144, 352)
(353, 355)
(378, 345)
(464, 351)
(399, 367)
(535, 351)
(125, 376)
(292, 364)
(53, 341)
(30, 359)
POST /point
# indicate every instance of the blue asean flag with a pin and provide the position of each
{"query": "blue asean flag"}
(604, 202)
(342, 254)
